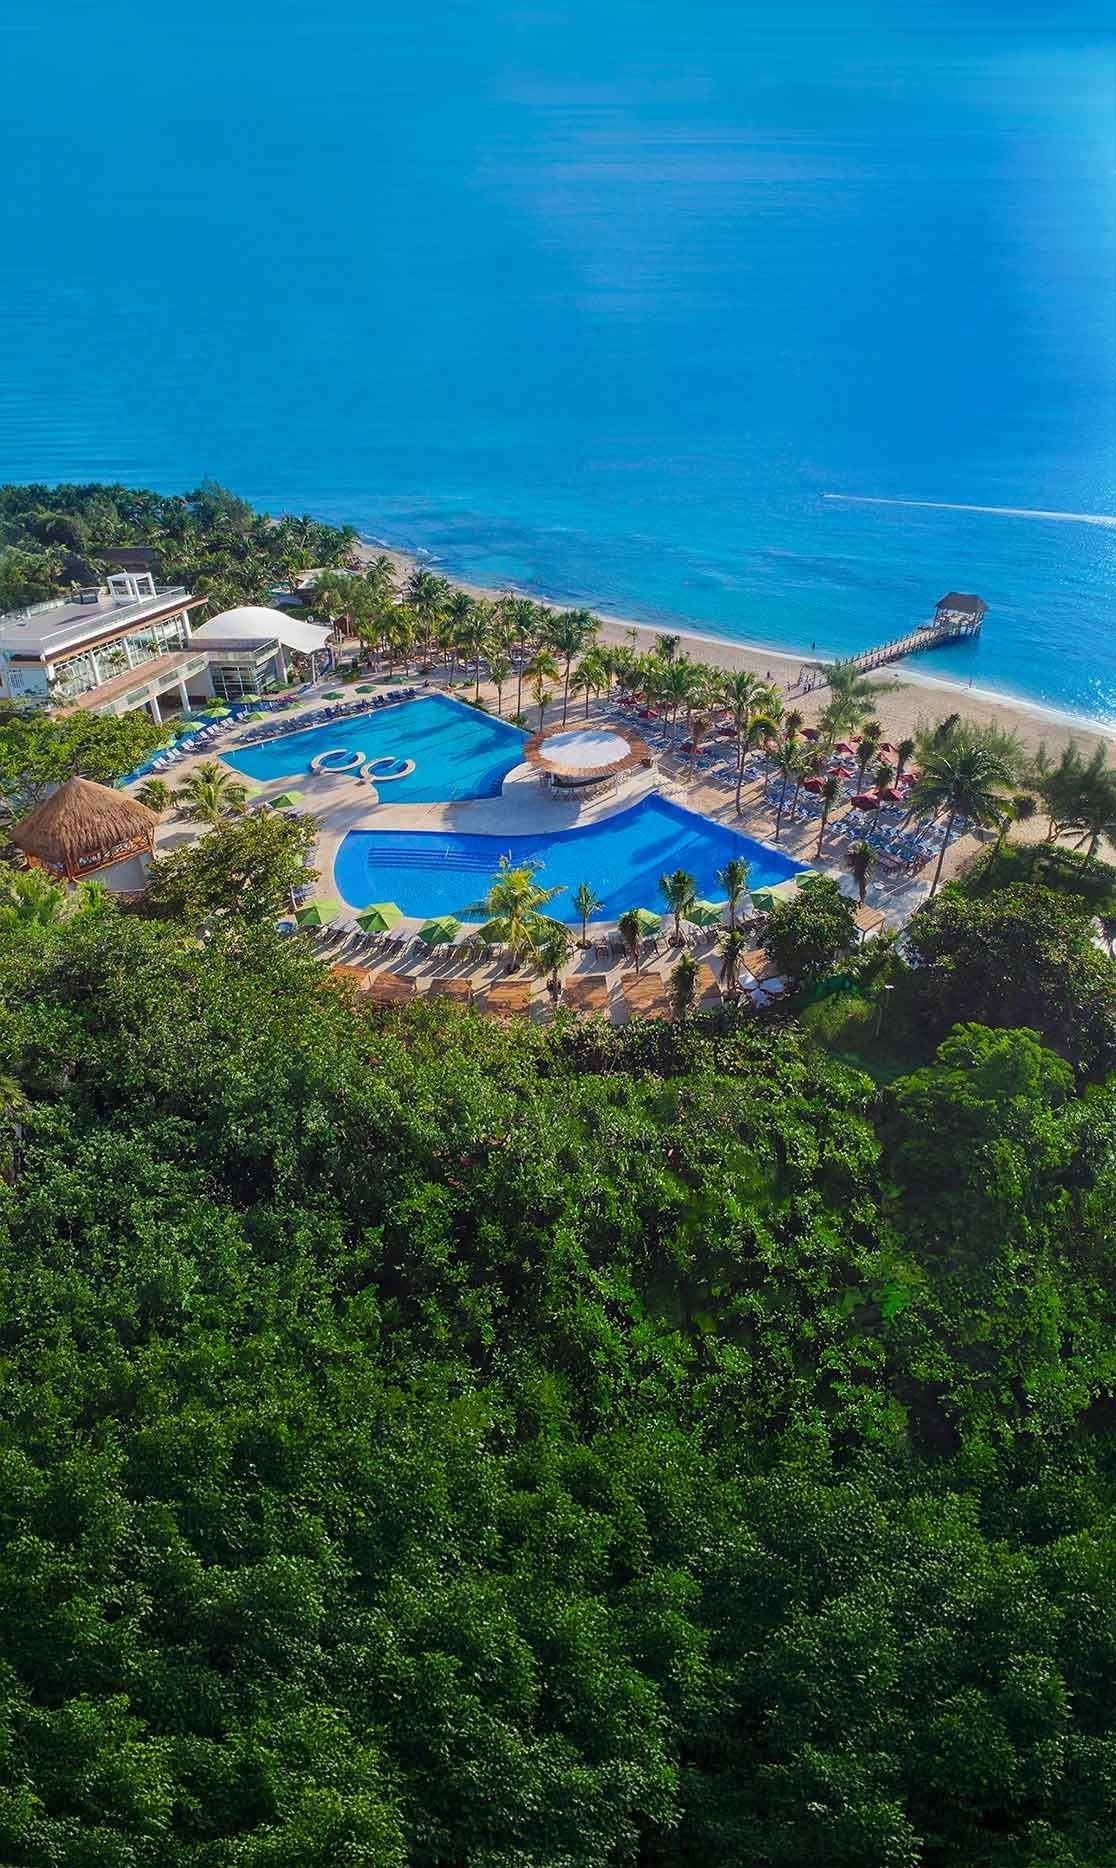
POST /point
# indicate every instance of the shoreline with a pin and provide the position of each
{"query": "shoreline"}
(1031, 721)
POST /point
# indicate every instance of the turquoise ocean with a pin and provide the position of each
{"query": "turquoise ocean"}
(600, 299)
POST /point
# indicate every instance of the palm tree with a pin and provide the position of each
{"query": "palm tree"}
(499, 668)
(904, 751)
(593, 675)
(28, 898)
(550, 953)
(963, 779)
(860, 861)
(789, 765)
(156, 794)
(631, 933)
(683, 986)
(428, 597)
(870, 737)
(542, 696)
(700, 724)
(851, 695)
(733, 878)
(586, 904)
(211, 794)
(568, 634)
(679, 890)
(674, 686)
(521, 616)
(793, 722)
(473, 638)
(733, 945)
(379, 575)
(513, 903)
(829, 794)
(745, 696)
(764, 731)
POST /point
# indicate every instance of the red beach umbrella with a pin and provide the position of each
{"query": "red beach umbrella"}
(891, 796)
(866, 801)
(812, 784)
(844, 745)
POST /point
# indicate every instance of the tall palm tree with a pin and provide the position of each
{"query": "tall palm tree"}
(427, 596)
(674, 686)
(379, 575)
(513, 905)
(522, 617)
(586, 903)
(456, 619)
(593, 675)
(964, 779)
(851, 695)
(860, 861)
(499, 668)
(904, 753)
(733, 878)
(631, 933)
(789, 765)
(764, 731)
(829, 794)
(211, 794)
(473, 638)
(683, 987)
(679, 891)
(541, 696)
(870, 737)
(699, 726)
(733, 946)
(746, 697)
(569, 633)
(550, 954)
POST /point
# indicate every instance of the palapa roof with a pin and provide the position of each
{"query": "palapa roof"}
(957, 600)
(82, 823)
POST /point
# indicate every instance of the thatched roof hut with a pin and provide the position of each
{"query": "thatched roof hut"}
(83, 827)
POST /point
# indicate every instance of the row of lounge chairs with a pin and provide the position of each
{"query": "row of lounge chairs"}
(339, 710)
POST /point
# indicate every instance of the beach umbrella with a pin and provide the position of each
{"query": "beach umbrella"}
(378, 917)
(782, 891)
(317, 914)
(647, 921)
(866, 801)
(439, 930)
(367, 687)
(891, 796)
(287, 800)
(217, 711)
(844, 745)
(764, 900)
(333, 694)
(706, 914)
(812, 783)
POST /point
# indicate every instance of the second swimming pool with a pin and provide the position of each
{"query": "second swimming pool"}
(623, 857)
(458, 751)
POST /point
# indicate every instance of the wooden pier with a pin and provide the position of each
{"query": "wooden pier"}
(956, 618)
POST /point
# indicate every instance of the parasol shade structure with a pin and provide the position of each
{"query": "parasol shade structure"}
(287, 800)
(317, 914)
(866, 801)
(439, 930)
(378, 917)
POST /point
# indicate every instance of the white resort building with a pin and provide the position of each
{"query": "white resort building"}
(129, 645)
(111, 649)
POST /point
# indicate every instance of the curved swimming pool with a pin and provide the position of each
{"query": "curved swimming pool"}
(458, 751)
(443, 872)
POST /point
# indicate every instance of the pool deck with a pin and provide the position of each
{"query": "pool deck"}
(524, 807)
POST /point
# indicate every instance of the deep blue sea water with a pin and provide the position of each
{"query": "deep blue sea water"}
(457, 752)
(598, 298)
(623, 857)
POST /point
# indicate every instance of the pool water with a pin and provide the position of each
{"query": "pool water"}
(458, 751)
(623, 857)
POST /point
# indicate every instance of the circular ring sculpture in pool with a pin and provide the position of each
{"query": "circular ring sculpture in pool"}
(338, 759)
(386, 767)
(575, 756)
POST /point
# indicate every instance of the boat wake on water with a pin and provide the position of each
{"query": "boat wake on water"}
(1000, 512)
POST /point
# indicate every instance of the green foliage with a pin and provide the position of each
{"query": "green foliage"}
(242, 870)
(806, 933)
(208, 539)
(1018, 956)
(1068, 872)
(39, 751)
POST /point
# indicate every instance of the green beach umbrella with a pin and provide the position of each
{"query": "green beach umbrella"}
(334, 694)
(764, 899)
(378, 917)
(441, 929)
(317, 914)
(217, 711)
(782, 891)
(287, 800)
(706, 914)
(366, 687)
(647, 921)
(250, 698)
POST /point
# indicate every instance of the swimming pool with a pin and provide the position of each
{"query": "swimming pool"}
(441, 872)
(458, 751)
